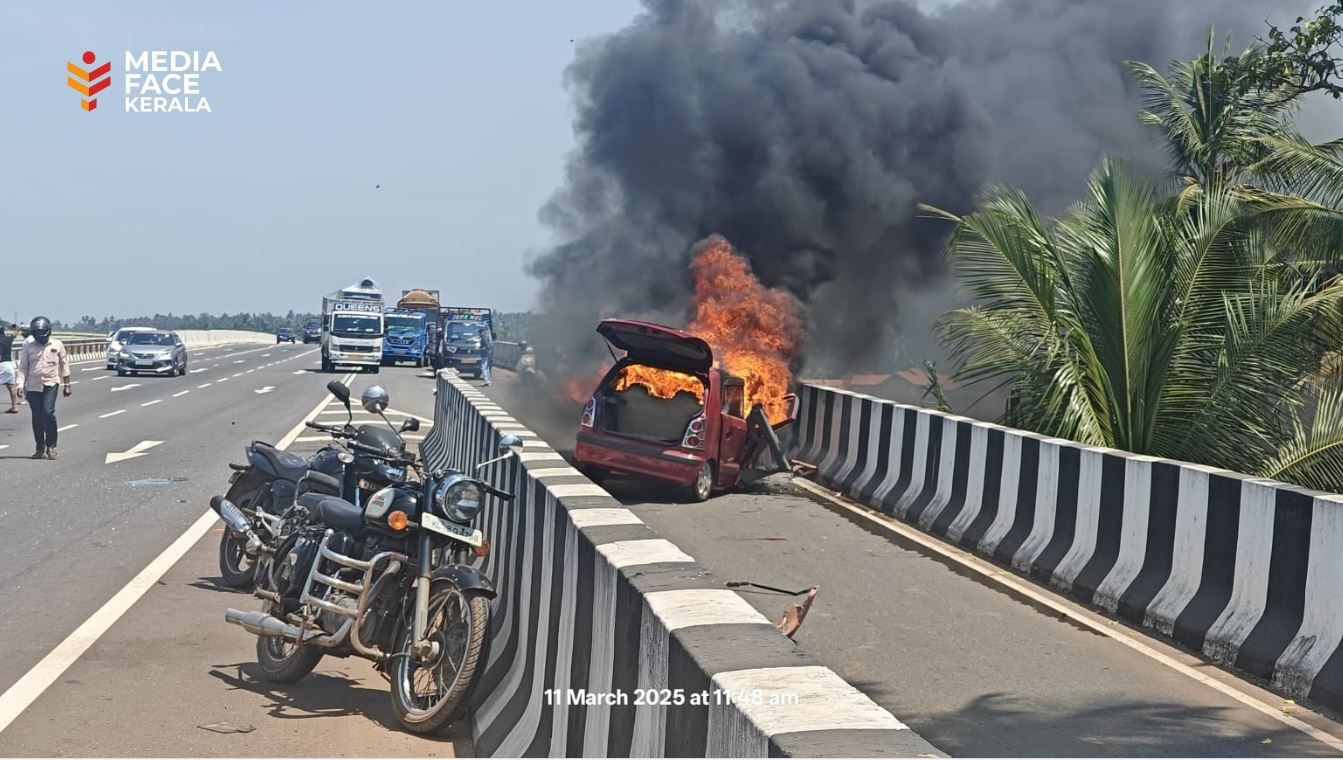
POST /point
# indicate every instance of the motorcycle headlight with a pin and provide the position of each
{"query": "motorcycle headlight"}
(458, 499)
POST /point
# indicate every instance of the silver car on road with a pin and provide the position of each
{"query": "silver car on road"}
(157, 353)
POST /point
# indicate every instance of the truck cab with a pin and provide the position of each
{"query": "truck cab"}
(459, 344)
(352, 327)
(406, 337)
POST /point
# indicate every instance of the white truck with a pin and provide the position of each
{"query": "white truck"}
(352, 327)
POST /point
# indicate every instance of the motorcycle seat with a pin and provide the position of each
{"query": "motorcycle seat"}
(287, 466)
(320, 482)
(332, 511)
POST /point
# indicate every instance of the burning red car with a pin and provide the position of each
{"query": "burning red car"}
(664, 411)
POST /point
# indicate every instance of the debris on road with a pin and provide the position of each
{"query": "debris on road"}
(224, 727)
(794, 615)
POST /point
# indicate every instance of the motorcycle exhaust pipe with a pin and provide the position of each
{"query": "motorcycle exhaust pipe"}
(261, 624)
(237, 521)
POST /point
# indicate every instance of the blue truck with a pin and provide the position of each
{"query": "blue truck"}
(406, 337)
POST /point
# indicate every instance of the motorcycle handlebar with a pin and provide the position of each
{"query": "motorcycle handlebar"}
(339, 432)
(502, 495)
(379, 453)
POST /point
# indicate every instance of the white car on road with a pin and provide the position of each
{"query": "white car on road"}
(117, 341)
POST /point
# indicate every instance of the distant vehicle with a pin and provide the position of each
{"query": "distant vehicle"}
(352, 327)
(412, 328)
(312, 331)
(459, 340)
(117, 339)
(284, 335)
(157, 353)
(406, 337)
(695, 433)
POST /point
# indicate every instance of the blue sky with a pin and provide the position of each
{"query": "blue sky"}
(457, 109)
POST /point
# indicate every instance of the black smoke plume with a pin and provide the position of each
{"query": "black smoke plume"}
(807, 131)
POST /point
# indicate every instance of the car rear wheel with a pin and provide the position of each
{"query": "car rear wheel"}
(121, 373)
(703, 487)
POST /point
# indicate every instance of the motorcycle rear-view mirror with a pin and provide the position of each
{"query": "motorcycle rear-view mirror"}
(375, 399)
(410, 425)
(509, 443)
(340, 391)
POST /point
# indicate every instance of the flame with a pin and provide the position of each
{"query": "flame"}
(662, 383)
(754, 331)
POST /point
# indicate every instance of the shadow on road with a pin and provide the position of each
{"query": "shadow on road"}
(322, 694)
(1008, 727)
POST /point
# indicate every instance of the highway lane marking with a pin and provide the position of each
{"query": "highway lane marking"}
(994, 574)
(138, 450)
(3, 446)
(264, 389)
(125, 387)
(222, 380)
(151, 403)
(194, 371)
(104, 377)
(27, 689)
(67, 427)
(183, 393)
(250, 371)
(301, 372)
(91, 369)
(239, 374)
(207, 385)
(240, 361)
(111, 414)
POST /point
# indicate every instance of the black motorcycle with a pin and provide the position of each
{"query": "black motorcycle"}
(385, 582)
(265, 489)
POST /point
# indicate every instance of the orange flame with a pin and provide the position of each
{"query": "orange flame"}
(662, 383)
(754, 331)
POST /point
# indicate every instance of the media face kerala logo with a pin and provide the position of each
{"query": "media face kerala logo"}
(168, 81)
(88, 82)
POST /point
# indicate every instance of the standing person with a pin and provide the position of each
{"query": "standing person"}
(8, 377)
(20, 337)
(486, 354)
(43, 367)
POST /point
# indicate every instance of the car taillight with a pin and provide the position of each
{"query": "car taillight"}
(590, 412)
(694, 434)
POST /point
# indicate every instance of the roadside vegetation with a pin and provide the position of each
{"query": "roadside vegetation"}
(1197, 316)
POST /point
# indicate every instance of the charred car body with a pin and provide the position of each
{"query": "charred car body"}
(665, 412)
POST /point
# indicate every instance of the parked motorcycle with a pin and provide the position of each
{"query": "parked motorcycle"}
(386, 582)
(266, 488)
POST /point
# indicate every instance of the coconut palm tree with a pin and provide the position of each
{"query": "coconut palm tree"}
(1194, 327)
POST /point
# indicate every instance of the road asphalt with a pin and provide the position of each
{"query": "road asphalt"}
(81, 527)
(974, 669)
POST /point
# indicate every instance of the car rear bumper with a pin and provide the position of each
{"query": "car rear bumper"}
(668, 463)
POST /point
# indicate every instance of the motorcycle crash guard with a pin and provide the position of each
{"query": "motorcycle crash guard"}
(467, 578)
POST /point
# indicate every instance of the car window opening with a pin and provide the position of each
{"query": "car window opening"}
(651, 404)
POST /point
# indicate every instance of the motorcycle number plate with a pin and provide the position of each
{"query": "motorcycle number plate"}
(470, 536)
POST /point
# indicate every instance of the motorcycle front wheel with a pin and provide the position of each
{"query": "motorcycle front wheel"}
(427, 696)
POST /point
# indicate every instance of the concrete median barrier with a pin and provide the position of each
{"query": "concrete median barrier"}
(1245, 571)
(596, 611)
(87, 349)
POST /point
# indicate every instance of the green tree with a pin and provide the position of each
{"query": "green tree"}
(1200, 320)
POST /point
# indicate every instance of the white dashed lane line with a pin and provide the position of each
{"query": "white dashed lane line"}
(67, 427)
(111, 414)
(151, 403)
(183, 393)
(206, 385)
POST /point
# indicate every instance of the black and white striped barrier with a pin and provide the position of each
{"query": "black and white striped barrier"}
(592, 600)
(1247, 571)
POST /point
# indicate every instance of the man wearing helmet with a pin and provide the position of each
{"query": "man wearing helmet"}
(43, 367)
